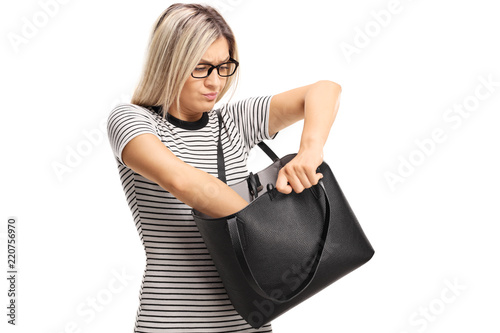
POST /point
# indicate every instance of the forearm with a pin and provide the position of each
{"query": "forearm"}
(321, 104)
(148, 156)
(208, 194)
(317, 104)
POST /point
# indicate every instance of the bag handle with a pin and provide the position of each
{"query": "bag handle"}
(221, 165)
(240, 254)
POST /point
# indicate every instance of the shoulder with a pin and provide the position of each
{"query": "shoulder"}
(255, 102)
(126, 119)
(128, 114)
(129, 109)
(247, 107)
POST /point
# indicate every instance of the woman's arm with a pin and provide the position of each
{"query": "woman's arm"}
(317, 104)
(148, 156)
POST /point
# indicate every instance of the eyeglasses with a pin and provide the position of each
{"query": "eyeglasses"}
(224, 70)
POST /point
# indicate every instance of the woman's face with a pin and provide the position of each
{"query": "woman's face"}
(199, 95)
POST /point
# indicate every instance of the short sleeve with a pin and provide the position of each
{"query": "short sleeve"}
(251, 117)
(125, 122)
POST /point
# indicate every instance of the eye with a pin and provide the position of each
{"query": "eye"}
(201, 68)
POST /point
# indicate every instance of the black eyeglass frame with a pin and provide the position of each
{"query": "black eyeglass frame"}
(212, 67)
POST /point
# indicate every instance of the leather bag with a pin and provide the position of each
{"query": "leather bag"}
(282, 249)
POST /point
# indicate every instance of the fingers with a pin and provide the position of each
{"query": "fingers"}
(282, 184)
(296, 178)
(296, 183)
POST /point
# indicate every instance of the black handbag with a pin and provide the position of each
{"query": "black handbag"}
(282, 248)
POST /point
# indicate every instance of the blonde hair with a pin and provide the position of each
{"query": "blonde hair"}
(180, 38)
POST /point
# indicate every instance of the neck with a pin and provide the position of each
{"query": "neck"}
(184, 116)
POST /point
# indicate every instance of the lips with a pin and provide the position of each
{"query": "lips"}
(211, 96)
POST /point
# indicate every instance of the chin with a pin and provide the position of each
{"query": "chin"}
(207, 106)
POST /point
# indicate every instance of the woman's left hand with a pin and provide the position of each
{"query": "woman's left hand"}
(300, 172)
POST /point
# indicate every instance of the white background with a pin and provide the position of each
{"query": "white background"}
(435, 227)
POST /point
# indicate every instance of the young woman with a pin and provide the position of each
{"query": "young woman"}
(165, 144)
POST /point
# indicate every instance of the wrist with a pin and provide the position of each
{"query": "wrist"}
(311, 144)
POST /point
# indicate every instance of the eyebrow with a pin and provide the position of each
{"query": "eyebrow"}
(203, 61)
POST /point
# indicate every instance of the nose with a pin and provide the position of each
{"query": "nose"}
(213, 80)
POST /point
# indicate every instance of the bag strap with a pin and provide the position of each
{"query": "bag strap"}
(240, 254)
(265, 148)
(221, 166)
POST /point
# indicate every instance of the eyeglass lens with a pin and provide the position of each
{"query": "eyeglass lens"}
(204, 70)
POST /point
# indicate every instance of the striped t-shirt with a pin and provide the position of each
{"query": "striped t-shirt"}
(181, 289)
